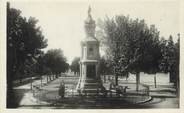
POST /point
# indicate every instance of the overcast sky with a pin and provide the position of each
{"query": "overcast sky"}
(63, 22)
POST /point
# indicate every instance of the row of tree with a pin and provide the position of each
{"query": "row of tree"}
(25, 56)
(133, 47)
(24, 48)
(52, 63)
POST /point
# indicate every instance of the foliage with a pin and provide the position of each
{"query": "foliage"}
(56, 61)
(170, 58)
(24, 40)
(75, 65)
(41, 68)
(24, 44)
(131, 45)
(105, 66)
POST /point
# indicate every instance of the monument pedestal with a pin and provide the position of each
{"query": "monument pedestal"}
(89, 82)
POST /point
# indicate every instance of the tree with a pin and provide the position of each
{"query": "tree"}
(24, 44)
(105, 66)
(170, 59)
(56, 61)
(41, 68)
(177, 65)
(75, 65)
(131, 45)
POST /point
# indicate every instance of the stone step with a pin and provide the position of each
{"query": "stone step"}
(91, 86)
(94, 82)
(91, 83)
(91, 80)
(91, 90)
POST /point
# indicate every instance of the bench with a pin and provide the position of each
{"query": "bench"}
(118, 90)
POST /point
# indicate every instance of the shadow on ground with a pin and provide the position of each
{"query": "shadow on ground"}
(16, 97)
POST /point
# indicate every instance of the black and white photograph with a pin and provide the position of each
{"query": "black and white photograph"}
(92, 54)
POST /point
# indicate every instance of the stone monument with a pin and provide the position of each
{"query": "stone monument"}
(89, 81)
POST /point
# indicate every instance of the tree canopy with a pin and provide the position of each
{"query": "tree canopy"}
(56, 61)
(170, 58)
(105, 66)
(75, 65)
(131, 45)
(25, 42)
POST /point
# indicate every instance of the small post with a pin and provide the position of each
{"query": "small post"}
(41, 80)
(31, 82)
(155, 81)
(148, 90)
(137, 81)
(47, 78)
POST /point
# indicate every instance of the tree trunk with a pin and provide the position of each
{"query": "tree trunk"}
(155, 81)
(127, 77)
(171, 77)
(137, 80)
(109, 78)
(41, 80)
(31, 82)
(178, 86)
(50, 77)
(47, 78)
(104, 79)
(10, 94)
(20, 79)
(116, 79)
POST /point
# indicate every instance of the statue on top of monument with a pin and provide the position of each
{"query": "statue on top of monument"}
(89, 11)
(90, 24)
(89, 19)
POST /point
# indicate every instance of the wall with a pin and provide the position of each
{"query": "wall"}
(161, 78)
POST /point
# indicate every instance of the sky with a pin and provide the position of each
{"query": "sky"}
(62, 23)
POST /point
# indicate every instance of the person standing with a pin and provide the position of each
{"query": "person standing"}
(62, 90)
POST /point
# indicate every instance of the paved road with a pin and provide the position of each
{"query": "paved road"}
(162, 103)
(154, 104)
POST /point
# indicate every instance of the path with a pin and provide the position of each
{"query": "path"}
(50, 99)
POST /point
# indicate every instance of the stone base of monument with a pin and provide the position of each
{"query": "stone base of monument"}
(90, 87)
